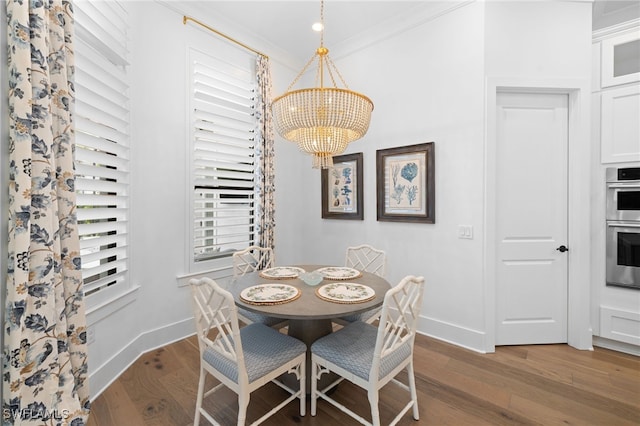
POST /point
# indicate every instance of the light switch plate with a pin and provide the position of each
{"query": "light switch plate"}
(465, 231)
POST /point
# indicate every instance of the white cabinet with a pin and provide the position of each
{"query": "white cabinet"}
(616, 136)
(617, 63)
(620, 124)
(621, 59)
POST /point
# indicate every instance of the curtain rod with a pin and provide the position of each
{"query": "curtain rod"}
(188, 18)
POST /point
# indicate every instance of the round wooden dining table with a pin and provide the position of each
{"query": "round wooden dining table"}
(310, 317)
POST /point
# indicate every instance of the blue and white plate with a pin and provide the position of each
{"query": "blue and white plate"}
(281, 272)
(339, 273)
(269, 294)
(346, 292)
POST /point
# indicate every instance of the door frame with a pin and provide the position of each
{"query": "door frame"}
(579, 331)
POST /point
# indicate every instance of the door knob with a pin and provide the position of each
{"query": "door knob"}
(562, 248)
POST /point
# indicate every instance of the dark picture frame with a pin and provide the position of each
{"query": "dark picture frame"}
(342, 196)
(405, 183)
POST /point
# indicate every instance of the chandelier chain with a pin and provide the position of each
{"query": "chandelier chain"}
(332, 65)
(306, 67)
(329, 71)
(321, 23)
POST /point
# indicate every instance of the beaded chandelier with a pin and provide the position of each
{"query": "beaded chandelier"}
(322, 120)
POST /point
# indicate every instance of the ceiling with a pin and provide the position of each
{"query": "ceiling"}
(286, 25)
(611, 12)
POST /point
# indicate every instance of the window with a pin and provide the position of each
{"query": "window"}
(102, 147)
(224, 129)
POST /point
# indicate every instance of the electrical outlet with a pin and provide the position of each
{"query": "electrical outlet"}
(465, 232)
(91, 335)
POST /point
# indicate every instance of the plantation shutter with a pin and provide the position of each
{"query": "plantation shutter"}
(102, 145)
(224, 123)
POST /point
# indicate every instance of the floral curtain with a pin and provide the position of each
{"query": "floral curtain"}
(45, 353)
(265, 154)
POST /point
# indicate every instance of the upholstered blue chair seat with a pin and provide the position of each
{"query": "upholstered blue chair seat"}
(352, 348)
(255, 317)
(264, 350)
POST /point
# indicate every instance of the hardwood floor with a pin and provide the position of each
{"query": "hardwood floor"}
(517, 385)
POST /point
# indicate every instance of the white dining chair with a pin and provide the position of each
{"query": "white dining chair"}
(242, 359)
(252, 259)
(371, 356)
(367, 259)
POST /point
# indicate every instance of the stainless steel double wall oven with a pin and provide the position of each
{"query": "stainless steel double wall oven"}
(623, 227)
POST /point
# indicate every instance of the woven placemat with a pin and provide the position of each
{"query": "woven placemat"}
(342, 279)
(345, 302)
(269, 277)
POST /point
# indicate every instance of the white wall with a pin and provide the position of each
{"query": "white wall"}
(157, 193)
(161, 311)
(427, 84)
(539, 39)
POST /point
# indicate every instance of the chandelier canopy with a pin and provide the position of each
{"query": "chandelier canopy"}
(322, 120)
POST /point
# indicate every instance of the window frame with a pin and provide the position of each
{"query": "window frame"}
(103, 120)
(246, 62)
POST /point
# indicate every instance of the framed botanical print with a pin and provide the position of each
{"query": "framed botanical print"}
(342, 188)
(406, 184)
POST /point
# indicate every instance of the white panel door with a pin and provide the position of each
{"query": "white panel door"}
(531, 218)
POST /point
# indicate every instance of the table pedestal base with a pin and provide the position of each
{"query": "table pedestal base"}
(309, 331)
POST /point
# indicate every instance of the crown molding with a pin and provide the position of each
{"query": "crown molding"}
(415, 17)
(614, 30)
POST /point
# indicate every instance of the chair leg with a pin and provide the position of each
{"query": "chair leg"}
(303, 389)
(196, 419)
(414, 393)
(243, 403)
(314, 386)
(375, 411)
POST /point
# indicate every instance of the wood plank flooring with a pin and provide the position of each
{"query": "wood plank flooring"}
(516, 385)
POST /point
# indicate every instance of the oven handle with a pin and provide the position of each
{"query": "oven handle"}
(624, 225)
(623, 185)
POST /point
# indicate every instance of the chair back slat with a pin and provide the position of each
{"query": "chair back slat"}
(399, 318)
(251, 259)
(366, 258)
(216, 319)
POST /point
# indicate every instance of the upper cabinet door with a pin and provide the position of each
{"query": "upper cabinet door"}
(621, 59)
(620, 127)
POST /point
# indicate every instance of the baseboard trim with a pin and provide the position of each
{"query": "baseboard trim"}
(108, 372)
(616, 346)
(451, 333)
